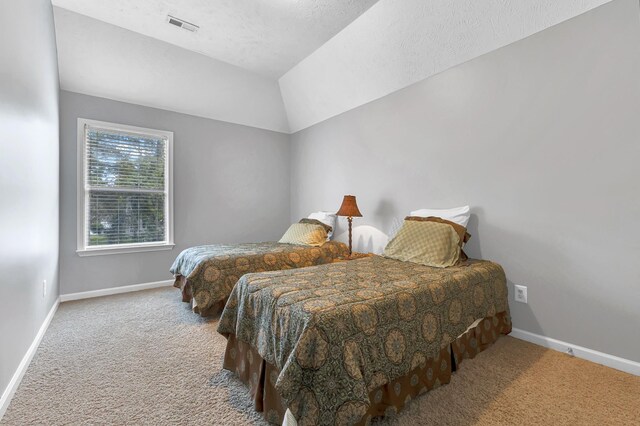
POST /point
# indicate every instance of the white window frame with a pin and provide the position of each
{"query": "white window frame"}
(83, 208)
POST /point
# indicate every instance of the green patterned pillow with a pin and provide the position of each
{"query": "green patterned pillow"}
(316, 222)
(427, 243)
(305, 233)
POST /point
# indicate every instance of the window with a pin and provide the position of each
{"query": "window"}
(124, 188)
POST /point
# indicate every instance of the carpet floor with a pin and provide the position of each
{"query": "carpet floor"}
(145, 358)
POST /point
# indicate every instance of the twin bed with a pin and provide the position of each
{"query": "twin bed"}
(342, 343)
(206, 274)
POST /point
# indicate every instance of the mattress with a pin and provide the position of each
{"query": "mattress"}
(206, 274)
(331, 335)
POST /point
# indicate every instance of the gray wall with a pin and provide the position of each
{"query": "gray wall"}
(231, 184)
(28, 176)
(542, 139)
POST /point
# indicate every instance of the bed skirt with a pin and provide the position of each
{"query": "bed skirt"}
(183, 284)
(387, 399)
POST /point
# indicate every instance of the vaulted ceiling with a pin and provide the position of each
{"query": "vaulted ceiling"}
(264, 36)
(281, 65)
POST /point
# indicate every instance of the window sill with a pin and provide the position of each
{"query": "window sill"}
(125, 248)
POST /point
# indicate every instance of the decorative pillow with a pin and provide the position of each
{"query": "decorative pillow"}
(328, 218)
(316, 222)
(425, 242)
(305, 233)
(460, 230)
(459, 215)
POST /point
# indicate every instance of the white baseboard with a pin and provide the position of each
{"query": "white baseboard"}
(26, 360)
(114, 290)
(612, 361)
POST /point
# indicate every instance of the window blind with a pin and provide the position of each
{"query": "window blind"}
(125, 187)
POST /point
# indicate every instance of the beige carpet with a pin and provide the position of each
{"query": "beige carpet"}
(144, 358)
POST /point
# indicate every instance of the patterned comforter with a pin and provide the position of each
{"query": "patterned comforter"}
(335, 332)
(212, 271)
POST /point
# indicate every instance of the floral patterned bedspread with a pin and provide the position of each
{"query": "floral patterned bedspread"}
(336, 332)
(213, 270)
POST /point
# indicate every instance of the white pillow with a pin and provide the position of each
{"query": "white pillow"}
(396, 224)
(459, 215)
(328, 218)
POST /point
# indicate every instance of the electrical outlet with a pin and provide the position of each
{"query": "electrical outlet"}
(521, 293)
(44, 288)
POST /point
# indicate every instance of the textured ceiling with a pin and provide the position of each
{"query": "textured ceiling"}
(265, 36)
(308, 59)
(100, 59)
(400, 42)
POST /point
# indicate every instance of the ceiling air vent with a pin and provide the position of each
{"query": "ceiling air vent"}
(182, 24)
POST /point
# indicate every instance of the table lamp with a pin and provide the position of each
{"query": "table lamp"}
(349, 208)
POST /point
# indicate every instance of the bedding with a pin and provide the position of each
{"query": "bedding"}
(427, 243)
(459, 215)
(328, 218)
(479, 336)
(326, 339)
(206, 274)
(307, 234)
(316, 222)
(463, 235)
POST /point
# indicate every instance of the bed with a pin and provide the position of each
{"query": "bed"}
(346, 342)
(206, 274)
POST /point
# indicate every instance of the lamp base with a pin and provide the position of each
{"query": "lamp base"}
(350, 220)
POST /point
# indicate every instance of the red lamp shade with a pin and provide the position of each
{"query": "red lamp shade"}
(349, 207)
